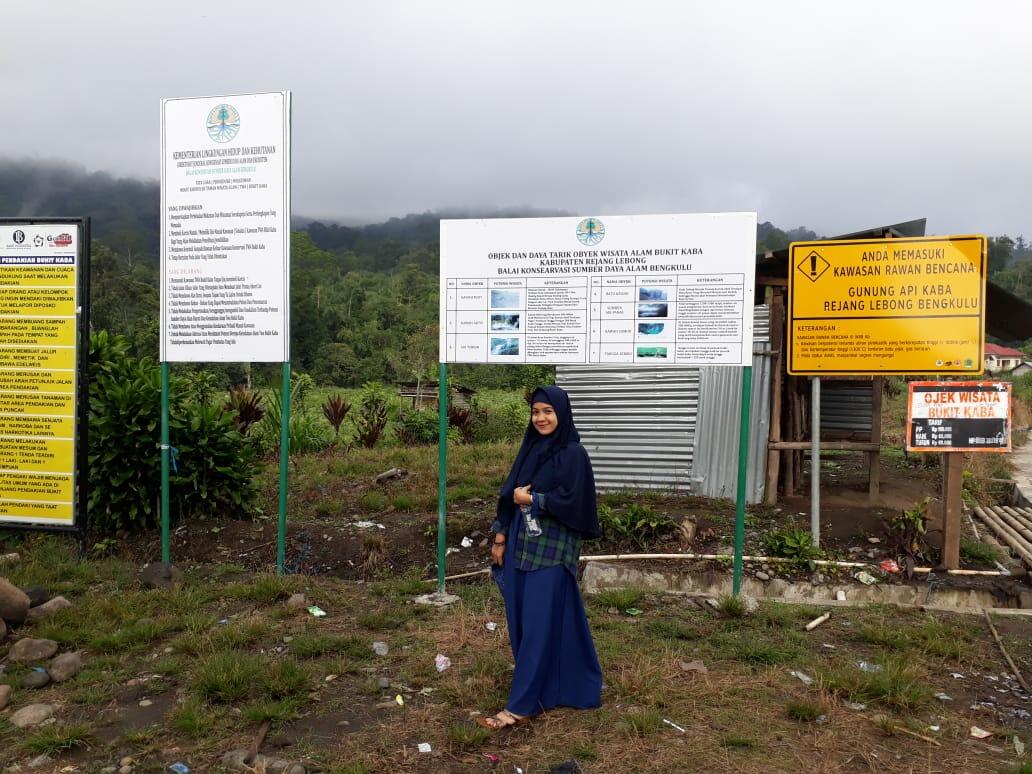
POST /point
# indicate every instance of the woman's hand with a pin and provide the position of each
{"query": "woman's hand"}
(521, 495)
(498, 549)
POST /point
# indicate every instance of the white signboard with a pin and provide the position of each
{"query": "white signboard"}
(225, 228)
(646, 289)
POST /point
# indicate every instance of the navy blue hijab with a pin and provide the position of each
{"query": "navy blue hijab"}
(557, 466)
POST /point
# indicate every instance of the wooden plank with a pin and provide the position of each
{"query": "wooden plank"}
(864, 446)
(874, 457)
(952, 482)
(777, 337)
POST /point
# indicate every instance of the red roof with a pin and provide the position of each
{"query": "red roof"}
(996, 349)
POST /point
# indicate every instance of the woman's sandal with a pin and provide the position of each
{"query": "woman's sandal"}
(503, 719)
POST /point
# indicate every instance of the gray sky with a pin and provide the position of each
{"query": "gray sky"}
(837, 116)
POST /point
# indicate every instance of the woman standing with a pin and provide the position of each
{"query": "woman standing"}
(546, 507)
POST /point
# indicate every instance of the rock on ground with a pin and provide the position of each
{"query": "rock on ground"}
(35, 680)
(14, 603)
(160, 575)
(5, 695)
(32, 715)
(65, 667)
(236, 760)
(297, 602)
(37, 595)
(28, 649)
(49, 608)
(3, 629)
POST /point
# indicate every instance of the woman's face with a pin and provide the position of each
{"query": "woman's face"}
(544, 418)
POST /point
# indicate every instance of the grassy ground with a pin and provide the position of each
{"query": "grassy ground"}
(186, 675)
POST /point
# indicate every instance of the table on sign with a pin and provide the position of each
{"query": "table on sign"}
(650, 320)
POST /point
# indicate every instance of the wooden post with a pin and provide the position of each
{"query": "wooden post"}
(952, 502)
(874, 457)
(777, 342)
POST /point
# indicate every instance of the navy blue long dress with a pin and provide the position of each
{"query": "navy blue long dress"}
(556, 663)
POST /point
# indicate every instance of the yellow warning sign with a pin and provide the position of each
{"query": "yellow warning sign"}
(39, 360)
(888, 306)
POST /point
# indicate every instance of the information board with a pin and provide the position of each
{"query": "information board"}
(891, 306)
(225, 228)
(647, 289)
(42, 324)
(959, 416)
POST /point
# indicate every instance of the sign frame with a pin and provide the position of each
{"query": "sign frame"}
(80, 474)
(998, 385)
(795, 256)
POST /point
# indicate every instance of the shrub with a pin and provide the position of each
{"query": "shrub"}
(507, 422)
(418, 427)
(245, 408)
(215, 468)
(213, 461)
(638, 523)
(792, 544)
(462, 418)
(335, 409)
(305, 433)
(373, 414)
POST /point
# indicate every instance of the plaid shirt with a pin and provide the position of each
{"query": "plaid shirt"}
(557, 543)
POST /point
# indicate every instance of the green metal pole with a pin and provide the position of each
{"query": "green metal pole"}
(281, 539)
(743, 469)
(442, 472)
(166, 551)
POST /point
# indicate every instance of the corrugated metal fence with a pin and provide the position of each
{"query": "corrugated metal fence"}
(640, 424)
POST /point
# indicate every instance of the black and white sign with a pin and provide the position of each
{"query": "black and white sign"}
(225, 228)
(959, 416)
(647, 289)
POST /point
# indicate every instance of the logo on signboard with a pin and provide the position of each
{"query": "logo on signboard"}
(63, 240)
(19, 236)
(37, 241)
(590, 231)
(813, 265)
(223, 123)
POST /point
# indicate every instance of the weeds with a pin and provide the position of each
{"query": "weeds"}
(731, 606)
(467, 736)
(897, 684)
(977, 552)
(792, 544)
(275, 712)
(641, 723)
(737, 741)
(58, 738)
(621, 599)
(192, 718)
(804, 710)
(227, 677)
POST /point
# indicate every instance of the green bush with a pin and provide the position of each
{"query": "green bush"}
(213, 461)
(374, 411)
(306, 432)
(792, 544)
(506, 421)
(639, 523)
(419, 426)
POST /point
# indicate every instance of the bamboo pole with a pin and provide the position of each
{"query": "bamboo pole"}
(1003, 650)
(1005, 535)
(1015, 520)
(730, 557)
(1014, 526)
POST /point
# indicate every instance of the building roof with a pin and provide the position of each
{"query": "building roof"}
(998, 351)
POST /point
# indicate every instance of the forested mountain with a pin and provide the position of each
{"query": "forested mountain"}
(364, 299)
